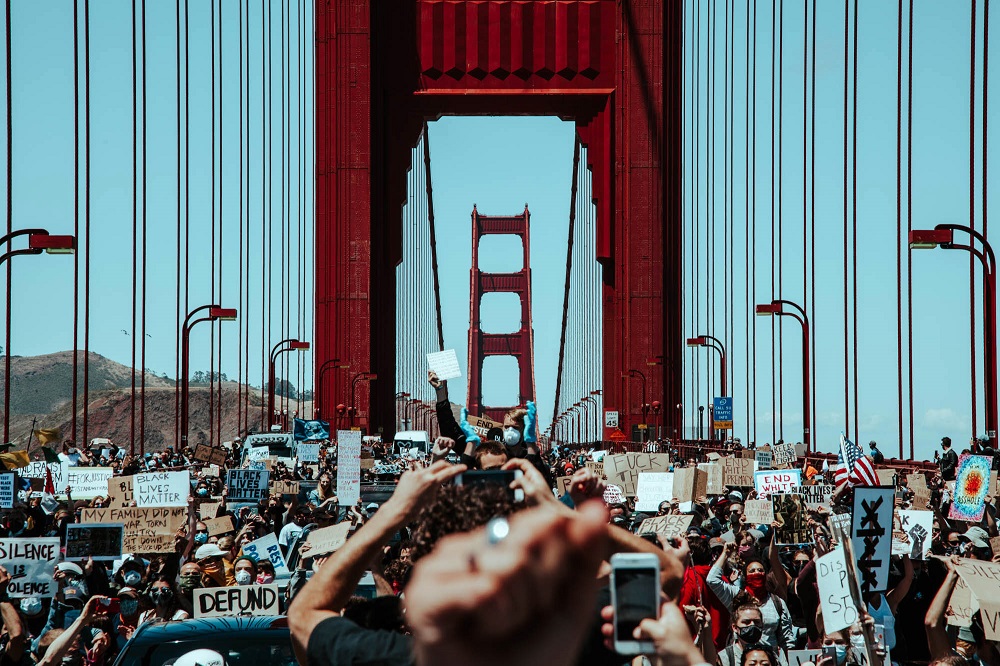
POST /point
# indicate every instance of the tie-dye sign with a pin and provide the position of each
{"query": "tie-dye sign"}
(972, 483)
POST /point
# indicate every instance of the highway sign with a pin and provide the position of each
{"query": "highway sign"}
(722, 413)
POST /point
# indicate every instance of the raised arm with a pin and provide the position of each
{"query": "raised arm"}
(934, 621)
(898, 593)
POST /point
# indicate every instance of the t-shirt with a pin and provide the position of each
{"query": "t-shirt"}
(71, 459)
(338, 641)
(288, 534)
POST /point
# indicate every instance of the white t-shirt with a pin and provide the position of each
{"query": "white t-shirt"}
(288, 534)
(72, 459)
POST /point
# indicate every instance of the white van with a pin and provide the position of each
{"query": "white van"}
(407, 440)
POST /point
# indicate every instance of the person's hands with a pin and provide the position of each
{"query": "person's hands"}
(524, 600)
(5, 579)
(585, 485)
(417, 488)
(92, 609)
(677, 546)
(442, 446)
(88, 568)
(536, 490)
(669, 634)
(432, 379)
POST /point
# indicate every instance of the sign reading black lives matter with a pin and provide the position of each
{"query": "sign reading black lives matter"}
(871, 536)
(237, 600)
(248, 484)
(102, 541)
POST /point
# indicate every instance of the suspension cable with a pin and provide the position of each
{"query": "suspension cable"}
(854, 213)
(145, 180)
(899, 219)
(972, 208)
(76, 210)
(135, 219)
(909, 216)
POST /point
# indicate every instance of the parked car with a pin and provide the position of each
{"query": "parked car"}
(242, 641)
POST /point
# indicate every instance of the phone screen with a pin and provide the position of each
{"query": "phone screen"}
(501, 477)
(636, 598)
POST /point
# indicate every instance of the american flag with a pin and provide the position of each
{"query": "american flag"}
(858, 470)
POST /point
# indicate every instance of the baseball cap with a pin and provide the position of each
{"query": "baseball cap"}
(70, 567)
(74, 594)
(208, 550)
(735, 496)
(716, 543)
(201, 657)
(979, 537)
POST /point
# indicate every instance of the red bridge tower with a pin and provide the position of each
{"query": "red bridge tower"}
(520, 344)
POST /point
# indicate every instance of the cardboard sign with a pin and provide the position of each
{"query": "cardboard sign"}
(653, 488)
(307, 452)
(36, 470)
(218, 526)
(121, 491)
(147, 530)
(444, 364)
(327, 539)
(209, 454)
(84, 482)
(737, 471)
(207, 510)
(266, 548)
(348, 467)
(777, 482)
(790, 511)
(960, 604)
(248, 485)
(482, 425)
(102, 541)
(690, 483)
(624, 469)
(367, 463)
(817, 495)
(668, 526)
(759, 512)
(613, 495)
(983, 579)
(256, 600)
(162, 488)
(562, 485)
(886, 477)
(871, 536)
(285, 487)
(839, 610)
(972, 483)
(783, 455)
(714, 478)
(8, 485)
(995, 544)
(597, 468)
(803, 657)
(31, 563)
(764, 459)
(914, 534)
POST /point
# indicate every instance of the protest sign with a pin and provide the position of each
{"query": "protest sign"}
(983, 580)
(266, 548)
(764, 459)
(690, 483)
(348, 467)
(36, 470)
(258, 453)
(839, 609)
(597, 468)
(218, 526)
(995, 545)
(147, 530)
(623, 469)
(803, 657)
(871, 536)
(84, 482)
(121, 491)
(285, 487)
(972, 483)
(817, 495)
(30, 562)
(737, 471)
(841, 521)
(713, 478)
(777, 482)
(367, 463)
(915, 533)
(961, 605)
(102, 541)
(444, 364)
(653, 488)
(886, 477)
(310, 431)
(257, 600)
(307, 452)
(483, 426)
(8, 483)
(668, 526)
(327, 539)
(790, 511)
(783, 455)
(162, 488)
(613, 495)
(759, 512)
(209, 454)
(209, 509)
(248, 484)
(562, 485)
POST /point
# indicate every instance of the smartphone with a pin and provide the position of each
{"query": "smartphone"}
(635, 596)
(502, 477)
(111, 605)
(830, 651)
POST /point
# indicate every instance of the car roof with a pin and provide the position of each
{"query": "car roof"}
(178, 630)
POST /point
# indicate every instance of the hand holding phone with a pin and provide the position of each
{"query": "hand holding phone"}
(635, 596)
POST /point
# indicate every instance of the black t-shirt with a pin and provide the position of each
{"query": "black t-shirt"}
(338, 641)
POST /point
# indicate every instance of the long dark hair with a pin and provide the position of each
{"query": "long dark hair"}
(759, 647)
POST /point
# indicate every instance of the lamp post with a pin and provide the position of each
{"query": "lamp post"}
(39, 240)
(401, 395)
(942, 236)
(215, 312)
(328, 365)
(777, 308)
(636, 373)
(587, 400)
(574, 418)
(293, 345)
(656, 416)
(363, 377)
(701, 422)
(716, 344)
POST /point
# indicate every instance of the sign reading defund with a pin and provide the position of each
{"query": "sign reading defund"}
(237, 600)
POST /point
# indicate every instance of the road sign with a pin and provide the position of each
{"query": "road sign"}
(617, 436)
(610, 418)
(722, 413)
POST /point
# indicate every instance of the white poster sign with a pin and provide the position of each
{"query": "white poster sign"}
(839, 611)
(777, 482)
(444, 364)
(308, 453)
(871, 535)
(348, 467)
(7, 490)
(653, 488)
(916, 526)
(266, 548)
(30, 562)
(258, 453)
(254, 600)
(161, 488)
(84, 482)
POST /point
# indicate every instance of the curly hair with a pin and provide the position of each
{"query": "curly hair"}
(458, 509)
(517, 415)
(489, 448)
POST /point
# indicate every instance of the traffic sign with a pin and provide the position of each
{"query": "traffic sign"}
(722, 413)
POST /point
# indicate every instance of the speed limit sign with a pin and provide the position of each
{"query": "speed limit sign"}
(610, 419)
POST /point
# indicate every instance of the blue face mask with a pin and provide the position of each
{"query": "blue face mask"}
(202, 492)
(841, 653)
(200, 538)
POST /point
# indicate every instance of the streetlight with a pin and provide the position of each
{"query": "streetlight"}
(656, 414)
(776, 308)
(942, 236)
(401, 395)
(293, 345)
(39, 240)
(713, 343)
(328, 365)
(215, 313)
(642, 405)
(585, 400)
(362, 377)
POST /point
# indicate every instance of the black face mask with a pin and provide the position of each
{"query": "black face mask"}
(162, 596)
(750, 634)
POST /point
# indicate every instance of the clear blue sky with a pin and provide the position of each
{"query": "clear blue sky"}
(529, 160)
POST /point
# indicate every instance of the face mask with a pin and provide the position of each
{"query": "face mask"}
(745, 551)
(858, 641)
(190, 582)
(511, 436)
(129, 607)
(243, 577)
(71, 450)
(132, 578)
(202, 492)
(162, 596)
(200, 538)
(841, 653)
(31, 606)
(264, 578)
(751, 634)
(755, 582)
(798, 566)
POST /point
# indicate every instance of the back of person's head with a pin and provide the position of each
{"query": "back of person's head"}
(701, 553)
(489, 448)
(517, 415)
(458, 509)
(758, 647)
(381, 613)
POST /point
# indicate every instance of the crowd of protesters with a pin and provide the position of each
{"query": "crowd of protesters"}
(452, 590)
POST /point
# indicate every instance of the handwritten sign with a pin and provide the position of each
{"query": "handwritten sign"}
(983, 579)
(444, 364)
(668, 526)
(348, 467)
(886, 477)
(803, 657)
(817, 495)
(307, 452)
(266, 548)
(147, 530)
(783, 454)
(7, 490)
(84, 482)
(790, 511)
(327, 540)
(247, 484)
(764, 459)
(690, 483)
(653, 488)
(839, 610)
(613, 495)
(714, 478)
(624, 469)
(759, 512)
(285, 487)
(210, 454)
(218, 526)
(914, 533)
(257, 600)
(209, 509)
(121, 491)
(737, 471)
(597, 468)
(162, 488)
(102, 541)
(30, 562)
(777, 482)
(562, 485)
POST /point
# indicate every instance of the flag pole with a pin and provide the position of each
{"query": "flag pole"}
(31, 432)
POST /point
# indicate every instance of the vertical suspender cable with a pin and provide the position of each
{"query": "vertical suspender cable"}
(245, 318)
(972, 208)
(135, 220)
(177, 309)
(909, 215)
(696, 225)
(775, 353)
(86, 222)
(746, 225)
(805, 144)
(753, 221)
(854, 215)
(76, 209)
(812, 220)
(222, 220)
(142, 329)
(283, 232)
(187, 173)
(727, 166)
(847, 392)
(899, 219)
(265, 278)
(731, 339)
(710, 228)
(211, 271)
(239, 299)
(781, 207)
(10, 228)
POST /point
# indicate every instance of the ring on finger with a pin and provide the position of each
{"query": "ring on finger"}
(497, 530)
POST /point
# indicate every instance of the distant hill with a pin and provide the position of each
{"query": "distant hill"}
(42, 391)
